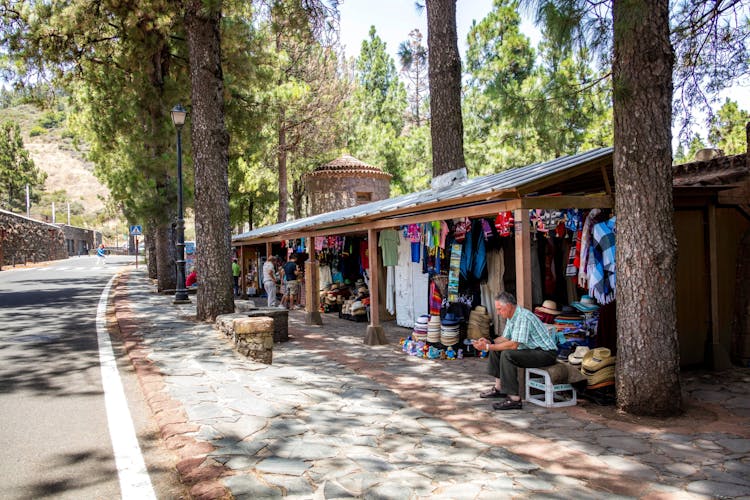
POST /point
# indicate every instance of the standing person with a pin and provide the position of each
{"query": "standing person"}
(291, 271)
(236, 272)
(101, 255)
(525, 343)
(269, 280)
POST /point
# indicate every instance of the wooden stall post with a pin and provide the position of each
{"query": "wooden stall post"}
(375, 334)
(312, 285)
(243, 273)
(523, 258)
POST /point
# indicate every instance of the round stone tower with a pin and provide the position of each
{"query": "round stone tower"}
(345, 182)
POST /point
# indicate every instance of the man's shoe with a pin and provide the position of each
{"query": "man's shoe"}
(492, 393)
(508, 404)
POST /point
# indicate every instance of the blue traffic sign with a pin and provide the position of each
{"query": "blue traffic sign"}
(136, 230)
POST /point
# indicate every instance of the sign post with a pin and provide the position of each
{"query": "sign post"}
(136, 231)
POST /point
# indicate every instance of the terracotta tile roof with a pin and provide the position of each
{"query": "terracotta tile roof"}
(349, 166)
(718, 171)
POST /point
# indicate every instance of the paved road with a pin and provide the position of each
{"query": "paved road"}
(54, 437)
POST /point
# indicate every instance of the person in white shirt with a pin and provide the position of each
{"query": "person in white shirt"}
(269, 280)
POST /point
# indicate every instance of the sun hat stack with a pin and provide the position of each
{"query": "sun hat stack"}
(450, 330)
(420, 328)
(547, 311)
(479, 323)
(598, 365)
(433, 329)
(587, 304)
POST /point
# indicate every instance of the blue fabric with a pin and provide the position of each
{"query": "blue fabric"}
(480, 256)
(416, 250)
(602, 277)
(467, 256)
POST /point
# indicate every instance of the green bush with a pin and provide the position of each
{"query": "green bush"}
(37, 130)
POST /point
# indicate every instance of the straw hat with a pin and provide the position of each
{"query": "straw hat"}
(549, 307)
(596, 359)
(576, 357)
(604, 375)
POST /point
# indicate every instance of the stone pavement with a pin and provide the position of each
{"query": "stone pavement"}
(333, 418)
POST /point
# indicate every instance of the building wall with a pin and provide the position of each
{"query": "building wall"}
(79, 241)
(326, 194)
(25, 240)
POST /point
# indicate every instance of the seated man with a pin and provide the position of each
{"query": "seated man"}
(525, 343)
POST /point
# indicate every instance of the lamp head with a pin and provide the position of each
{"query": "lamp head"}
(178, 116)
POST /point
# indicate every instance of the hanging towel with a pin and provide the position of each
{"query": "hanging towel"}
(602, 269)
(583, 278)
(390, 290)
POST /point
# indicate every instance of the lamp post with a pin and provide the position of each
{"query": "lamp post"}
(181, 296)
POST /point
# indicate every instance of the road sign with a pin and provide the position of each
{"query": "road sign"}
(136, 230)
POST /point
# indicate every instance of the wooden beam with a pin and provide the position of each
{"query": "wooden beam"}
(523, 258)
(375, 334)
(471, 211)
(312, 285)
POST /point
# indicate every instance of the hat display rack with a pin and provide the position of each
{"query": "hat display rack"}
(436, 338)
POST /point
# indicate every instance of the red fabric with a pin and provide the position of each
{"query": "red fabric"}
(364, 254)
(504, 223)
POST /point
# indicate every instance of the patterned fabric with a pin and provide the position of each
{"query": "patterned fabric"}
(602, 272)
(583, 279)
(526, 329)
(504, 223)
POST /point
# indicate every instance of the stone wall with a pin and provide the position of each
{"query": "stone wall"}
(329, 193)
(25, 240)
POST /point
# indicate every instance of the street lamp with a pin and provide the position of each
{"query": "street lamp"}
(181, 295)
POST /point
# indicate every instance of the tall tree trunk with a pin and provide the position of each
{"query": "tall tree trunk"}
(165, 262)
(283, 177)
(446, 130)
(648, 367)
(149, 245)
(210, 143)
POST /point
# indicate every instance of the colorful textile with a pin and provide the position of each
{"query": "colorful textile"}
(436, 300)
(504, 223)
(602, 267)
(415, 234)
(462, 227)
(388, 244)
(583, 279)
(454, 272)
(486, 229)
(416, 250)
(436, 229)
(443, 233)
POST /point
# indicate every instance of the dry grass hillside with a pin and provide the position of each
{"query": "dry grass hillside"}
(66, 167)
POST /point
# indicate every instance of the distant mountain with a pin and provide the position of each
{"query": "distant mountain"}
(70, 178)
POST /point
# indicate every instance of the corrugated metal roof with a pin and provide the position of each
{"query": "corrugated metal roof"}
(505, 181)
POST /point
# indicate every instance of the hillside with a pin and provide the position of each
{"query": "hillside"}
(66, 168)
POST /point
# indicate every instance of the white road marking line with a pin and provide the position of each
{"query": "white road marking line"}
(135, 483)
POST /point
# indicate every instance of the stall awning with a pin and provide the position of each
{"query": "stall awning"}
(567, 181)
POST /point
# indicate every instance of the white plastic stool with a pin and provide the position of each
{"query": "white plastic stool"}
(552, 395)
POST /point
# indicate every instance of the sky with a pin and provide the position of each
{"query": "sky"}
(394, 19)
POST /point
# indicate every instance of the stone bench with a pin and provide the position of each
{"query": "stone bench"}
(253, 338)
